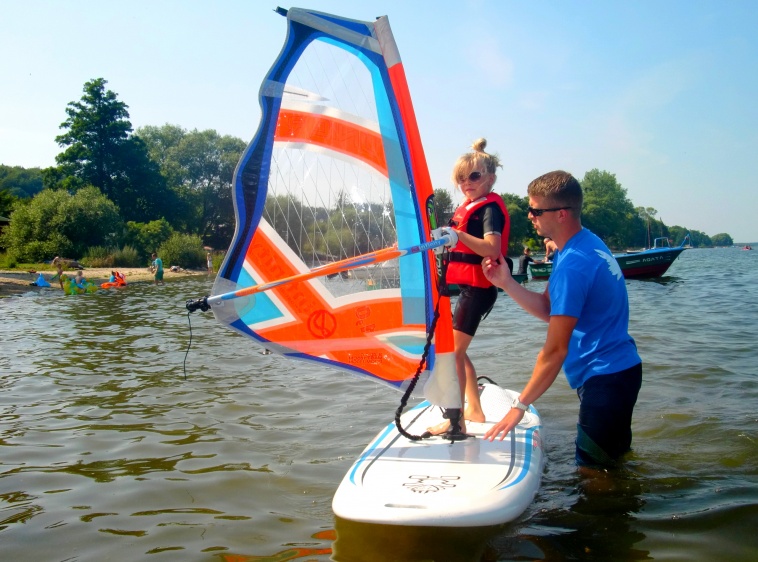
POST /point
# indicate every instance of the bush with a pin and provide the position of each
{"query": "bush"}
(146, 237)
(127, 257)
(56, 223)
(184, 250)
(98, 256)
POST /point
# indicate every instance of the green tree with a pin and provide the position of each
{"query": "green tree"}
(522, 232)
(20, 182)
(607, 211)
(199, 168)
(7, 202)
(443, 206)
(97, 126)
(147, 237)
(184, 250)
(101, 152)
(722, 239)
(58, 223)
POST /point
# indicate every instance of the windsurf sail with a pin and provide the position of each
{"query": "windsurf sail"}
(336, 172)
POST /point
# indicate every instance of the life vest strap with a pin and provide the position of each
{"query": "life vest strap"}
(473, 259)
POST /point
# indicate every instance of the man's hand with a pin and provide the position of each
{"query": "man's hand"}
(504, 426)
(497, 271)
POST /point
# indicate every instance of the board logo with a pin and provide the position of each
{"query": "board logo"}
(322, 324)
(427, 484)
(536, 440)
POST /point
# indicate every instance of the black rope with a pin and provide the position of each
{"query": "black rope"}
(188, 345)
(412, 385)
(453, 414)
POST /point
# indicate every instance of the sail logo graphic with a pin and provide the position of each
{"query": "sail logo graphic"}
(322, 324)
(430, 484)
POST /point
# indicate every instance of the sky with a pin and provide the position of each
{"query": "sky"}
(664, 95)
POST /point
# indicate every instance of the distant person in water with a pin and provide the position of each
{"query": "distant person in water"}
(524, 260)
(80, 280)
(157, 268)
(58, 271)
(482, 225)
(586, 306)
(209, 260)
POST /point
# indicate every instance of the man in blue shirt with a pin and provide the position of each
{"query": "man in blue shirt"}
(587, 309)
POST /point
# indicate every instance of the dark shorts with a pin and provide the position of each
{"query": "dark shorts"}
(159, 275)
(474, 304)
(606, 403)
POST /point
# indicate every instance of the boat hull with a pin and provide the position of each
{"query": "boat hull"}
(641, 265)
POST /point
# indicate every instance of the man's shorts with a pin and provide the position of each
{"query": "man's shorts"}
(474, 304)
(159, 275)
(604, 431)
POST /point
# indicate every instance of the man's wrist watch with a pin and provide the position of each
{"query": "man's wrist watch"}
(519, 404)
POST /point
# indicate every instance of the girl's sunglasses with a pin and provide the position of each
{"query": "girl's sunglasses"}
(473, 177)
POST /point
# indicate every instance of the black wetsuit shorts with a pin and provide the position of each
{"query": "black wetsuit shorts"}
(474, 304)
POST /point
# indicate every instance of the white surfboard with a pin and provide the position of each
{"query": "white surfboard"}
(436, 482)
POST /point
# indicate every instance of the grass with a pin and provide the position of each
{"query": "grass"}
(8, 264)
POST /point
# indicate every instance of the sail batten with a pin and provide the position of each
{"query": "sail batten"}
(332, 184)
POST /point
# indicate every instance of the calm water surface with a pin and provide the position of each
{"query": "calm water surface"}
(107, 452)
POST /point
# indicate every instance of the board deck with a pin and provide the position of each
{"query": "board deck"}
(436, 482)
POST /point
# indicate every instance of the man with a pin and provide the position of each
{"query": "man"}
(524, 260)
(586, 306)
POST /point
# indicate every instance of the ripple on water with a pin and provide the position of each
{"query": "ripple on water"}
(109, 452)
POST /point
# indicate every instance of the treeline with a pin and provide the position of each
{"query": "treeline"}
(114, 188)
(116, 195)
(607, 211)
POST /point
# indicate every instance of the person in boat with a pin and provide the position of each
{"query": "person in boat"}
(586, 306)
(482, 225)
(524, 260)
(157, 268)
(550, 249)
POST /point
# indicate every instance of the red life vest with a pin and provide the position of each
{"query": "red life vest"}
(120, 278)
(465, 266)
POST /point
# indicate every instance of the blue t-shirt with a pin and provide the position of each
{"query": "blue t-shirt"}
(587, 283)
(158, 265)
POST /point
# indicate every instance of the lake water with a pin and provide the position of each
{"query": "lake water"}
(107, 452)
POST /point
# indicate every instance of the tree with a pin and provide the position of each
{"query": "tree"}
(443, 206)
(97, 126)
(147, 237)
(7, 202)
(20, 182)
(607, 211)
(102, 153)
(522, 232)
(199, 168)
(58, 223)
(722, 239)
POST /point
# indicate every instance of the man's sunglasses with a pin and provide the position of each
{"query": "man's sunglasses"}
(538, 212)
(472, 177)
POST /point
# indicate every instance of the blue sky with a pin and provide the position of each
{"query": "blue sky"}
(662, 94)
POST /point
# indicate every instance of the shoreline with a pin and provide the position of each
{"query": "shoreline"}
(15, 282)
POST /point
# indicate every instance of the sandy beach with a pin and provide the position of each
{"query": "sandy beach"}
(18, 282)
